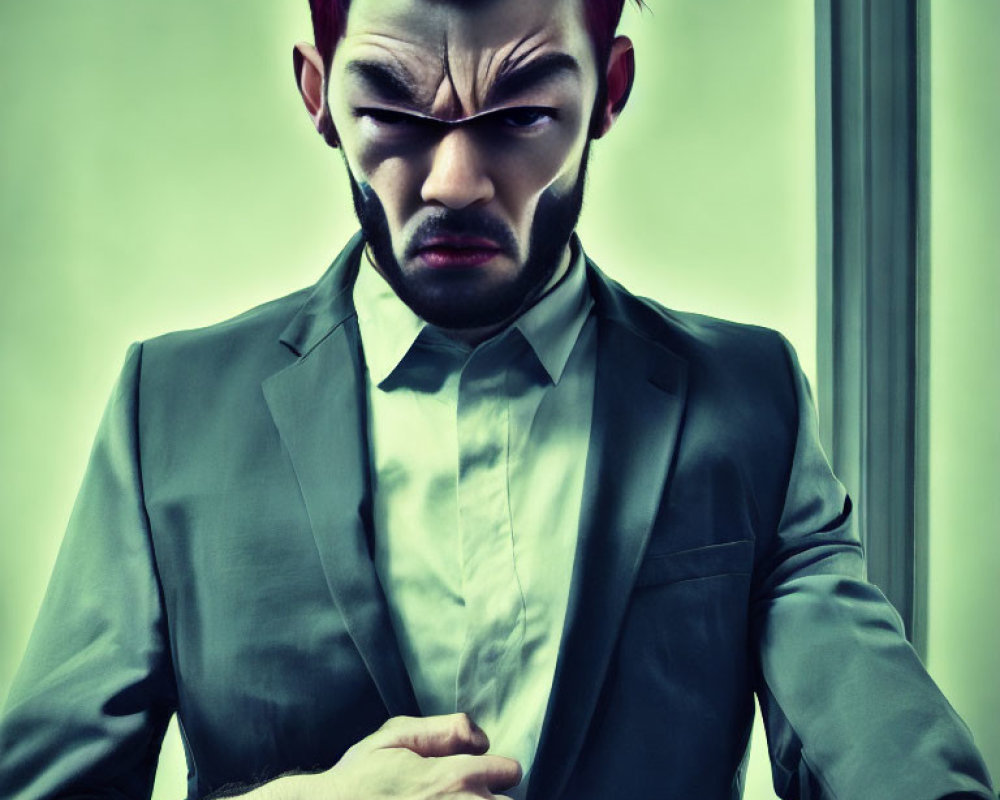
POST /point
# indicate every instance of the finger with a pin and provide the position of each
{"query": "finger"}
(434, 737)
(501, 773)
(495, 773)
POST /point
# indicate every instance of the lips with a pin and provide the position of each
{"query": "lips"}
(458, 252)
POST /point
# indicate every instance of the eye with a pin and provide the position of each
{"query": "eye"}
(526, 117)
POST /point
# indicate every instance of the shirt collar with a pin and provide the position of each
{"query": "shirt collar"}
(552, 325)
(389, 328)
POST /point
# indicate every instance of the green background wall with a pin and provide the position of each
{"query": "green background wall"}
(964, 403)
(158, 172)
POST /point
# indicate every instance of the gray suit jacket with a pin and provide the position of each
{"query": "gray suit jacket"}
(218, 564)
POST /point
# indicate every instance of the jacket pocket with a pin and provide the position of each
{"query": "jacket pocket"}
(728, 558)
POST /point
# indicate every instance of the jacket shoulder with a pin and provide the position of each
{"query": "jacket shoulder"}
(252, 329)
(189, 381)
(708, 345)
(272, 334)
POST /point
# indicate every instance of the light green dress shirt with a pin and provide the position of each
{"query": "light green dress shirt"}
(478, 458)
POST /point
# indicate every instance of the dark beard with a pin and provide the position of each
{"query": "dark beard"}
(464, 299)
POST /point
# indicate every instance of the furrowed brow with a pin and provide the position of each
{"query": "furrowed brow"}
(390, 83)
(532, 75)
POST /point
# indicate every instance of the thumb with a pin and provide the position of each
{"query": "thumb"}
(432, 737)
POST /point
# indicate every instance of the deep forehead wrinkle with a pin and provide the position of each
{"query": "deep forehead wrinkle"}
(456, 102)
(522, 50)
(504, 62)
(535, 74)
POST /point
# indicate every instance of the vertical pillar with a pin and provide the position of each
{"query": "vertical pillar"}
(871, 276)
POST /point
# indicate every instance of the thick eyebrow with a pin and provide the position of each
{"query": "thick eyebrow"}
(395, 85)
(536, 73)
(390, 83)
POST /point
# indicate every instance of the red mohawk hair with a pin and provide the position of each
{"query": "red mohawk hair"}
(329, 18)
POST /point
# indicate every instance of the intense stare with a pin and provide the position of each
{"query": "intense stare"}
(465, 130)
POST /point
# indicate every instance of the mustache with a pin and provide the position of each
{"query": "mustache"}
(462, 223)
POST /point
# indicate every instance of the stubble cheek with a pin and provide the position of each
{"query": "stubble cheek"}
(552, 178)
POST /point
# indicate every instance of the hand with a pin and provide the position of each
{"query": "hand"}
(430, 758)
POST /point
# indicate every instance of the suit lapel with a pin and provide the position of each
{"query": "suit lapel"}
(317, 404)
(639, 399)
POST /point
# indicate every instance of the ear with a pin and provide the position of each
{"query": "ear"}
(310, 75)
(620, 76)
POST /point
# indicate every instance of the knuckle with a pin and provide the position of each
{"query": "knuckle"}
(394, 723)
(353, 749)
(462, 728)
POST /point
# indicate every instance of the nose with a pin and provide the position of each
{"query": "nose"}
(457, 177)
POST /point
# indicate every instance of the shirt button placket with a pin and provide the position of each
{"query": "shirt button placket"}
(493, 599)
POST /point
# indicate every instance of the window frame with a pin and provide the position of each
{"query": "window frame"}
(872, 280)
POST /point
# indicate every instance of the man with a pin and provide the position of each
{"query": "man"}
(467, 519)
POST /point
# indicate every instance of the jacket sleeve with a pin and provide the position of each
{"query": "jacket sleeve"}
(849, 710)
(90, 703)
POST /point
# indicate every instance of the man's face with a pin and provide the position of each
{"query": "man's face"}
(464, 126)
